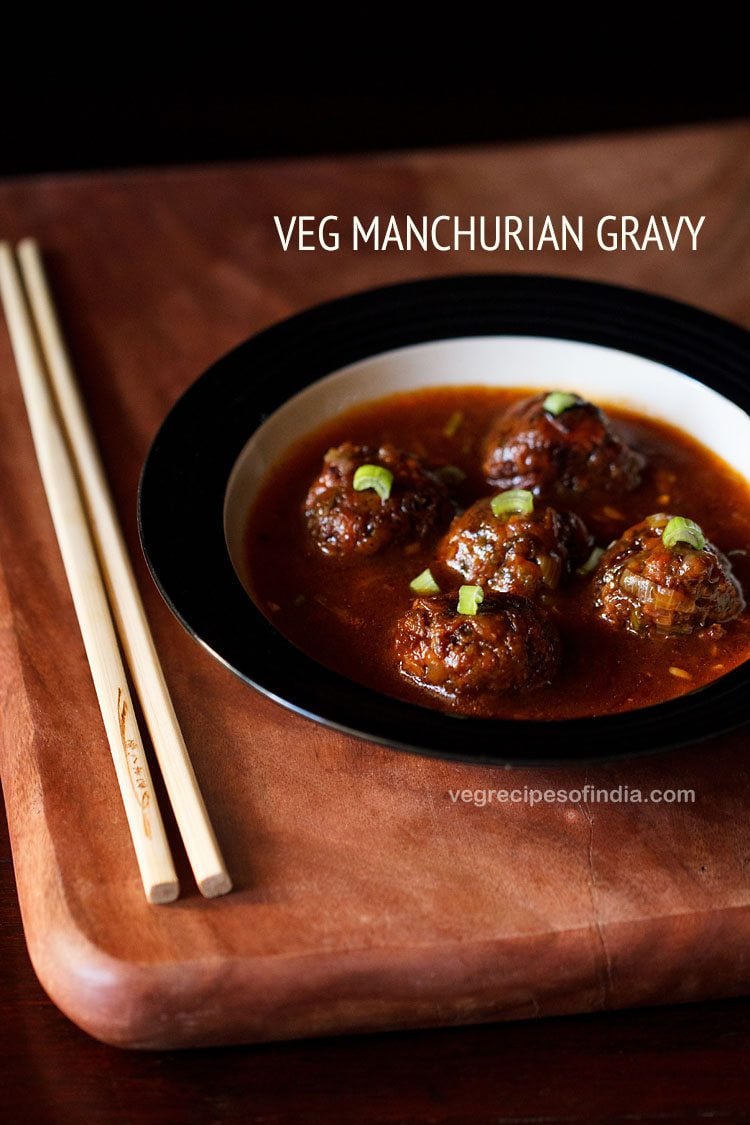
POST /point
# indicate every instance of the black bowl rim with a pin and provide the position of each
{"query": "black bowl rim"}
(184, 480)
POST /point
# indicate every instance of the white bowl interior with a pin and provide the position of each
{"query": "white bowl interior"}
(604, 375)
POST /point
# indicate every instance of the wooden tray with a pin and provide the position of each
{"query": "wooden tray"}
(366, 898)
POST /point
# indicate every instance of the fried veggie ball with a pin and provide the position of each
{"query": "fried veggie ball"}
(514, 551)
(559, 441)
(367, 497)
(664, 577)
(505, 645)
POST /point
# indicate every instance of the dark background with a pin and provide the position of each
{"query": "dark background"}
(121, 120)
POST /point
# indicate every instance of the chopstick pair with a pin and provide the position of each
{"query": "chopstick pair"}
(103, 586)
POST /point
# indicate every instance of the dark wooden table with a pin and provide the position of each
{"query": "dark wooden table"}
(675, 1064)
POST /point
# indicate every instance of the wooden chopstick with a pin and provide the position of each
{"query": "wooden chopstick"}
(135, 634)
(89, 597)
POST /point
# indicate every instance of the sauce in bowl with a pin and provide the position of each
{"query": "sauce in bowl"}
(344, 609)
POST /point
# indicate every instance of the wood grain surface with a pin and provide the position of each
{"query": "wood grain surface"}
(366, 898)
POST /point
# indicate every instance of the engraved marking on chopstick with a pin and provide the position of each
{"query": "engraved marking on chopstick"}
(135, 769)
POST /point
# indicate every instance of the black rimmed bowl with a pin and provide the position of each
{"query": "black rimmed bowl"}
(211, 454)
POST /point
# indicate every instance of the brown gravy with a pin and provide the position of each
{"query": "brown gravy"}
(342, 612)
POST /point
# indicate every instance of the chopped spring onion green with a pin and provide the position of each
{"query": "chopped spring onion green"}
(375, 477)
(451, 427)
(515, 500)
(559, 401)
(681, 530)
(591, 562)
(469, 598)
(424, 583)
